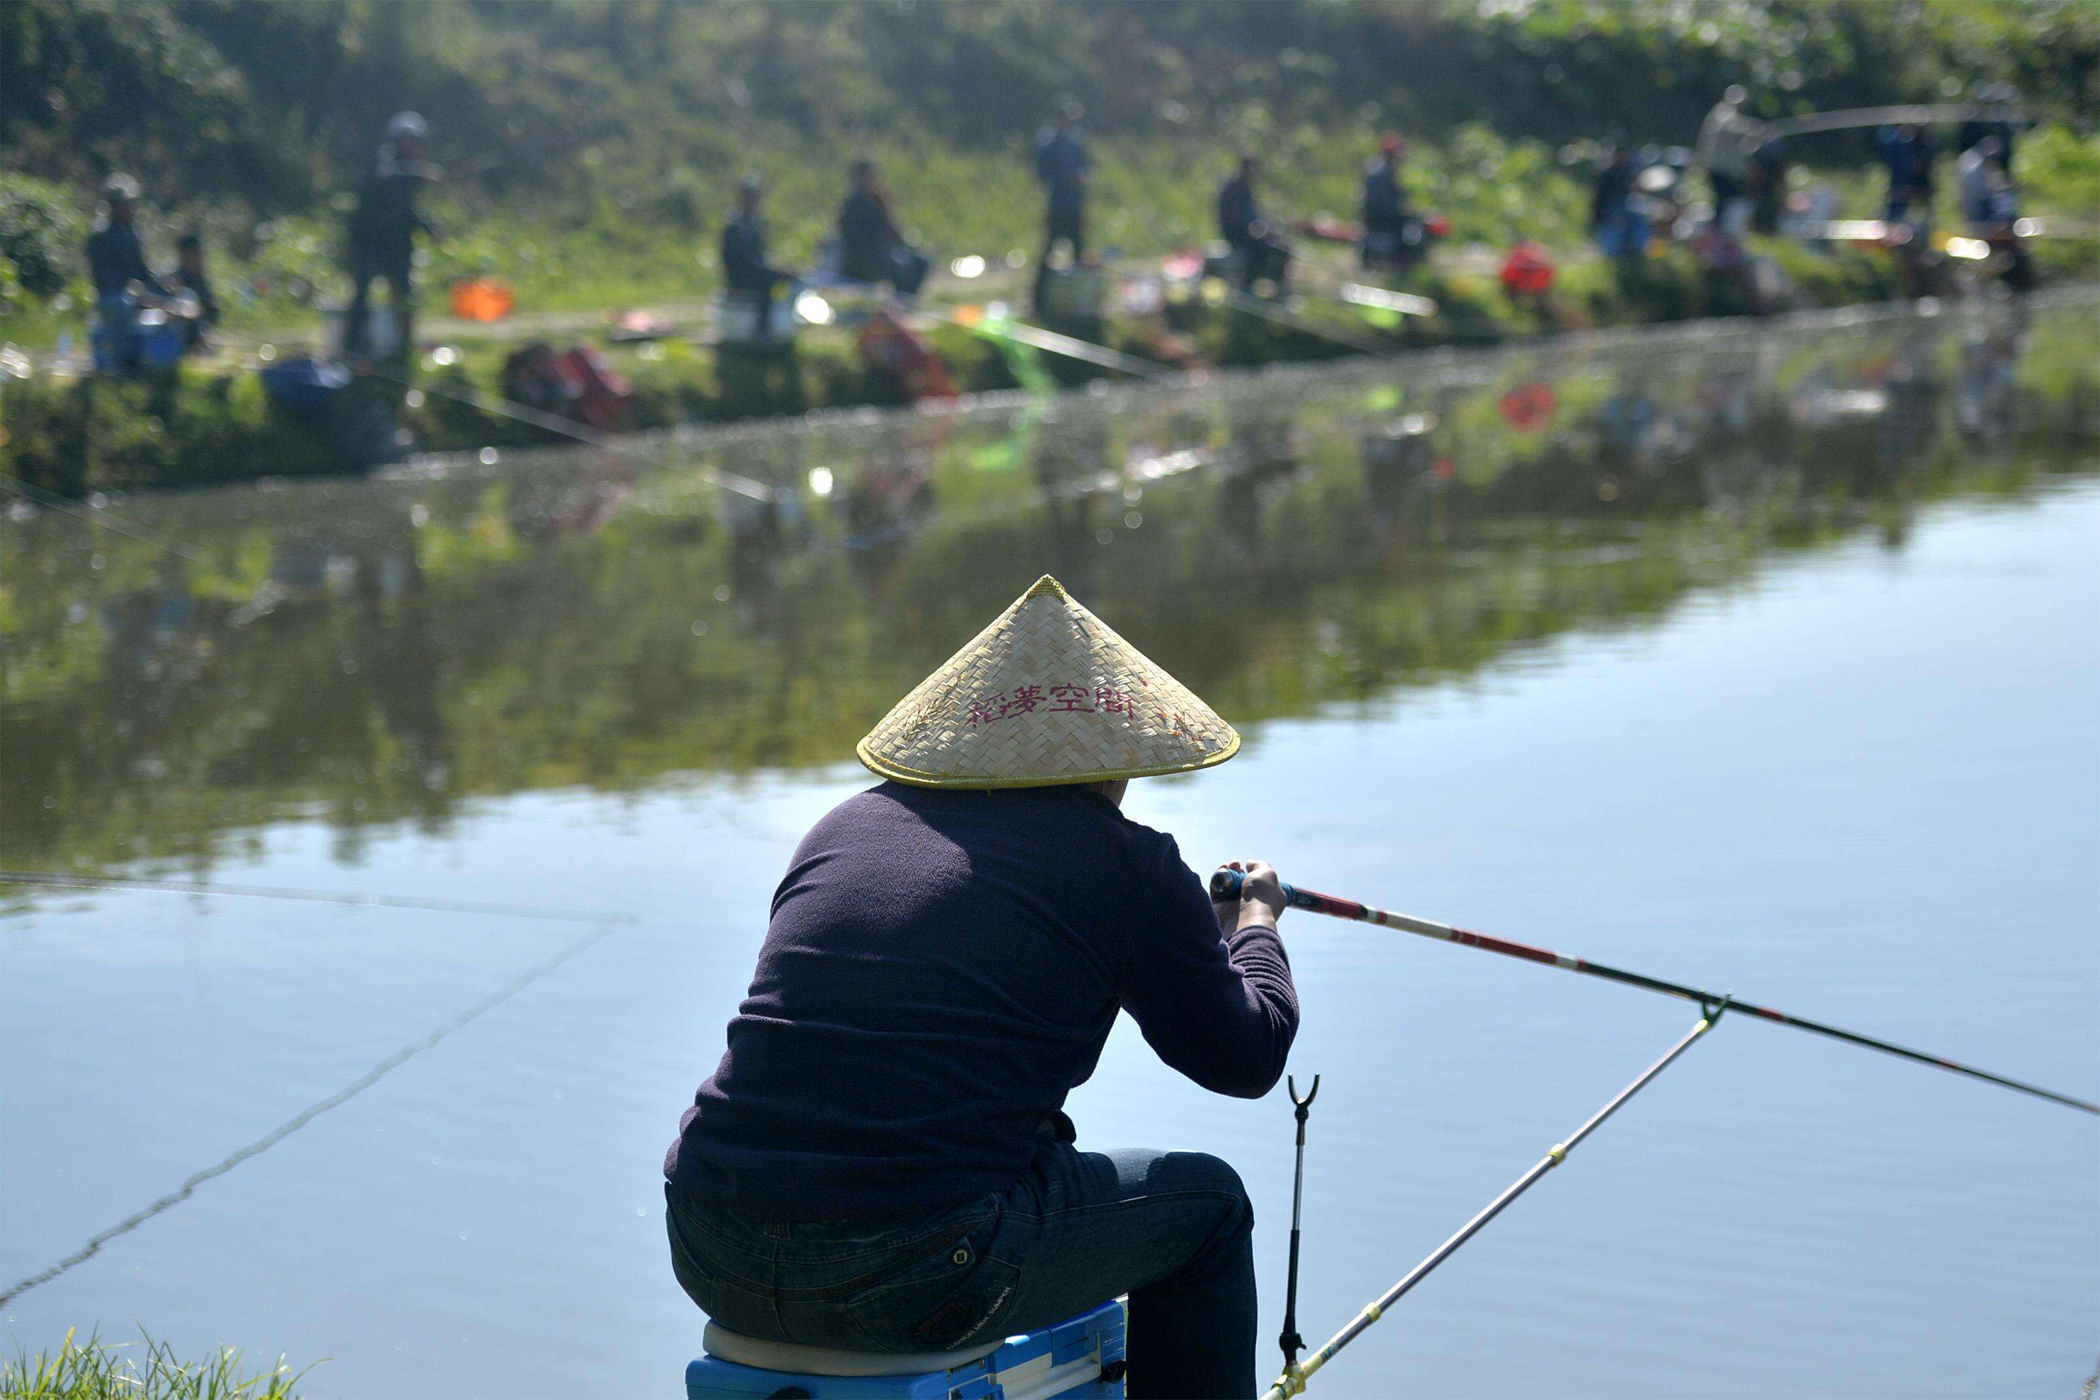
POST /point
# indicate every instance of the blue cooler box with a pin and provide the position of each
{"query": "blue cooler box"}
(1081, 1358)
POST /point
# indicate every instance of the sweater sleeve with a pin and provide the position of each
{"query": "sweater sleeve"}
(1222, 1011)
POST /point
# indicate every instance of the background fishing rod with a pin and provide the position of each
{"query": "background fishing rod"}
(610, 442)
(1225, 885)
(94, 515)
(1282, 314)
(1851, 118)
(1036, 338)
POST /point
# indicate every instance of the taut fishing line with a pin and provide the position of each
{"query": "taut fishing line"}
(305, 1115)
(39, 496)
(355, 901)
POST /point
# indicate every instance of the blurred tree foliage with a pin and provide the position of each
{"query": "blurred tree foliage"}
(279, 104)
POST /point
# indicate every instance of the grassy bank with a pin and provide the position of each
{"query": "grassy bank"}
(634, 243)
(592, 150)
(142, 1370)
(205, 423)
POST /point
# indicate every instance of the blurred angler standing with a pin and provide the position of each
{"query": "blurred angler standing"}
(1620, 229)
(1261, 251)
(1909, 153)
(383, 228)
(745, 270)
(1728, 143)
(1062, 165)
(1392, 236)
(117, 266)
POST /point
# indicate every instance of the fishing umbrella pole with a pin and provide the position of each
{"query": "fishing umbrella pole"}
(1225, 885)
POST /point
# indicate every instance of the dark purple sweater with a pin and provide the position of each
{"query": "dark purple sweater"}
(941, 968)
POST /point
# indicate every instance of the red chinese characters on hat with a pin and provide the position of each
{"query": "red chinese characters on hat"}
(1059, 697)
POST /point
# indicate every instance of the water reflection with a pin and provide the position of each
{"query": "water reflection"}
(376, 652)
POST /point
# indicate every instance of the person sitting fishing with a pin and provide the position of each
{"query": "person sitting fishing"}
(1392, 235)
(1061, 164)
(1262, 253)
(744, 266)
(192, 276)
(881, 1161)
(118, 269)
(383, 228)
(871, 247)
(1909, 152)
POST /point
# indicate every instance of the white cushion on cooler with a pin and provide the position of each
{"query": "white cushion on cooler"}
(724, 1345)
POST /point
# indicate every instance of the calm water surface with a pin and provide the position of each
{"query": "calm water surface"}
(1760, 658)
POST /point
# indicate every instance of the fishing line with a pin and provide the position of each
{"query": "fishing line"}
(591, 437)
(39, 496)
(1053, 342)
(360, 901)
(303, 1117)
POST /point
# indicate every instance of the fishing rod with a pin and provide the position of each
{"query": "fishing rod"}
(591, 437)
(1264, 311)
(1359, 296)
(1225, 885)
(1051, 342)
(1405, 303)
(1295, 1376)
(1852, 117)
(49, 880)
(39, 496)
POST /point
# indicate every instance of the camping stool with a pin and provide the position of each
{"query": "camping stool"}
(1080, 1358)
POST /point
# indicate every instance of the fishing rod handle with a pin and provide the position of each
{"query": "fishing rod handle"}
(1225, 885)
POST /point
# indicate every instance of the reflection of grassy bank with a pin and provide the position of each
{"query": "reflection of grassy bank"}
(364, 653)
(205, 425)
(143, 1370)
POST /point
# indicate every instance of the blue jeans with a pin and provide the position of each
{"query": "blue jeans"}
(1174, 1230)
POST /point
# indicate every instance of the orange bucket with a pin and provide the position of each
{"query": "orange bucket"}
(482, 299)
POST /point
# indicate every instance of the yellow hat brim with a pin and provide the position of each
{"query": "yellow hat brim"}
(1047, 695)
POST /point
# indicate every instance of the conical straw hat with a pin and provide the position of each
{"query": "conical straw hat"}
(1047, 694)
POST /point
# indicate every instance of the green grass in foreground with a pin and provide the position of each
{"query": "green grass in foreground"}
(141, 1370)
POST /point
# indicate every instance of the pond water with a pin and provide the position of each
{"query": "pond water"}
(1762, 658)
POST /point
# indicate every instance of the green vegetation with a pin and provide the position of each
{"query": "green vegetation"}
(208, 423)
(592, 143)
(144, 1370)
